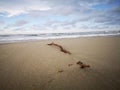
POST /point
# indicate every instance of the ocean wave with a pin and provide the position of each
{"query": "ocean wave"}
(41, 36)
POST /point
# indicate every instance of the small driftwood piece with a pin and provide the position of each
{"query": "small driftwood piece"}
(61, 48)
(82, 65)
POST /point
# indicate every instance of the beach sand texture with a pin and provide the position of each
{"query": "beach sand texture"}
(34, 65)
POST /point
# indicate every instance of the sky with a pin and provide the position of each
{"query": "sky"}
(44, 16)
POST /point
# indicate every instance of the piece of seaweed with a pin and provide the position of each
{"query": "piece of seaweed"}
(61, 48)
(82, 65)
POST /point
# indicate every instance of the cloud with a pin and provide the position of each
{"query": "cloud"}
(16, 7)
(39, 27)
(60, 14)
(39, 13)
(2, 22)
(20, 23)
(16, 25)
(109, 17)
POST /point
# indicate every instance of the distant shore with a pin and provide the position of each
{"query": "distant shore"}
(34, 65)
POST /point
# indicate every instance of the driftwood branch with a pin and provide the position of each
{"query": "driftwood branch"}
(61, 48)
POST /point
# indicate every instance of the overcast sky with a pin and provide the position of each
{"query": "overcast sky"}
(34, 16)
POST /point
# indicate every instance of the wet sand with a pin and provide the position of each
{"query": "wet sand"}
(37, 66)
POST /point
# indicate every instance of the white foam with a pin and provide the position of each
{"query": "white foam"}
(29, 37)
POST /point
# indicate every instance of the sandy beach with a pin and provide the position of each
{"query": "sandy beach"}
(33, 65)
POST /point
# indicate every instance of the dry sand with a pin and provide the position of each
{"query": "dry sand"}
(37, 66)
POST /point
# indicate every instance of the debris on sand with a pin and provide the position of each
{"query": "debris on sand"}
(82, 65)
(60, 71)
(61, 48)
(70, 65)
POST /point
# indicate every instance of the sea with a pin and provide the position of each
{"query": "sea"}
(10, 38)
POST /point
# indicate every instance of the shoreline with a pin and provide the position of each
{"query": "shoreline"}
(35, 40)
